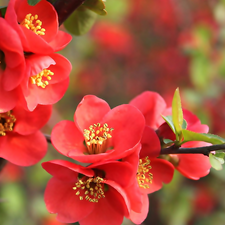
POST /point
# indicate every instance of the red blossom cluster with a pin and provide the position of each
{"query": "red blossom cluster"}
(118, 149)
(32, 78)
(120, 162)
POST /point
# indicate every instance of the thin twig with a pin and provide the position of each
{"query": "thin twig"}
(48, 138)
(2, 163)
(199, 150)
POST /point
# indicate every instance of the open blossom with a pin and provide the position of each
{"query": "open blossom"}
(99, 133)
(153, 106)
(12, 66)
(91, 195)
(152, 172)
(21, 142)
(46, 80)
(37, 26)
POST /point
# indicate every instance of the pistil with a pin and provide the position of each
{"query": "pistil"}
(97, 138)
(32, 23)
(38, 79)
(144, 177)
(90, 189)
(7, 121)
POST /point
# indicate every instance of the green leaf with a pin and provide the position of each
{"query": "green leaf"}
(184, 124)
(200, 71)
(220, 155)
(210, 138)
(97, 6)
(168, 141)
(33, 2)
(3, 11)
(177, 114)
(81, 21)
(215, 162)
(169, 121)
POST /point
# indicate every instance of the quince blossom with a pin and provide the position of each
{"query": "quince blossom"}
(152, 105)
(37, 26)
(21, 142)
(99, 133)
(91, 195)
(46, 80)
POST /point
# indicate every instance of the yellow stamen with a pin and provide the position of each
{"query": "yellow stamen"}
(96, 138)
(90, 189)
(32, 23)
(7, 121)
(144, 178)
(38, 79)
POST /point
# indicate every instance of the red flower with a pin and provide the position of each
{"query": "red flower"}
(152, 106)
(192, 166)
(107, 134)
(37, 26)
(152, 172)
(12, 66)
(21, 142)
(46, 81)
(91, 195)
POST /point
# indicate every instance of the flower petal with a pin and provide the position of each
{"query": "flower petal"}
(150, 143)
(66, 171)
(60, 198)
(109, 210)
(66, 137)
(138, 218)
(128, 124)
(193, 166)
(24, 150)
(151, 104)
(90, 111)
(29, 122)
(162, 171)
(60, 41)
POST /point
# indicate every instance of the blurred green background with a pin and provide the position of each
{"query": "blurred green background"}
(140, 45)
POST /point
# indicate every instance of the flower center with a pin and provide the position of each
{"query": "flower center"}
(32, 23)
(97, 137)
(38, 79)
(90, 189)
(144, 178)
(7, 121)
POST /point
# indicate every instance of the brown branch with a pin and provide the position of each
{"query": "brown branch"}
(205, 150)
(48, 138)
(2, 163)
(65, 7)
(199, 150)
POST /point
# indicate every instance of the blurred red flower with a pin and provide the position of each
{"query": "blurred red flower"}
(91, 195)
(37, 26)
(107, 134)
(21, 142)
(113, 37)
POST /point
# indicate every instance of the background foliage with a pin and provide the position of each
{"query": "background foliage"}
(138, 46)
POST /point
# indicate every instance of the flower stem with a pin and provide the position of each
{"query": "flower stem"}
(65, 7)
(2, 163)
(199, 150)
(205, 150)
(48, 138)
